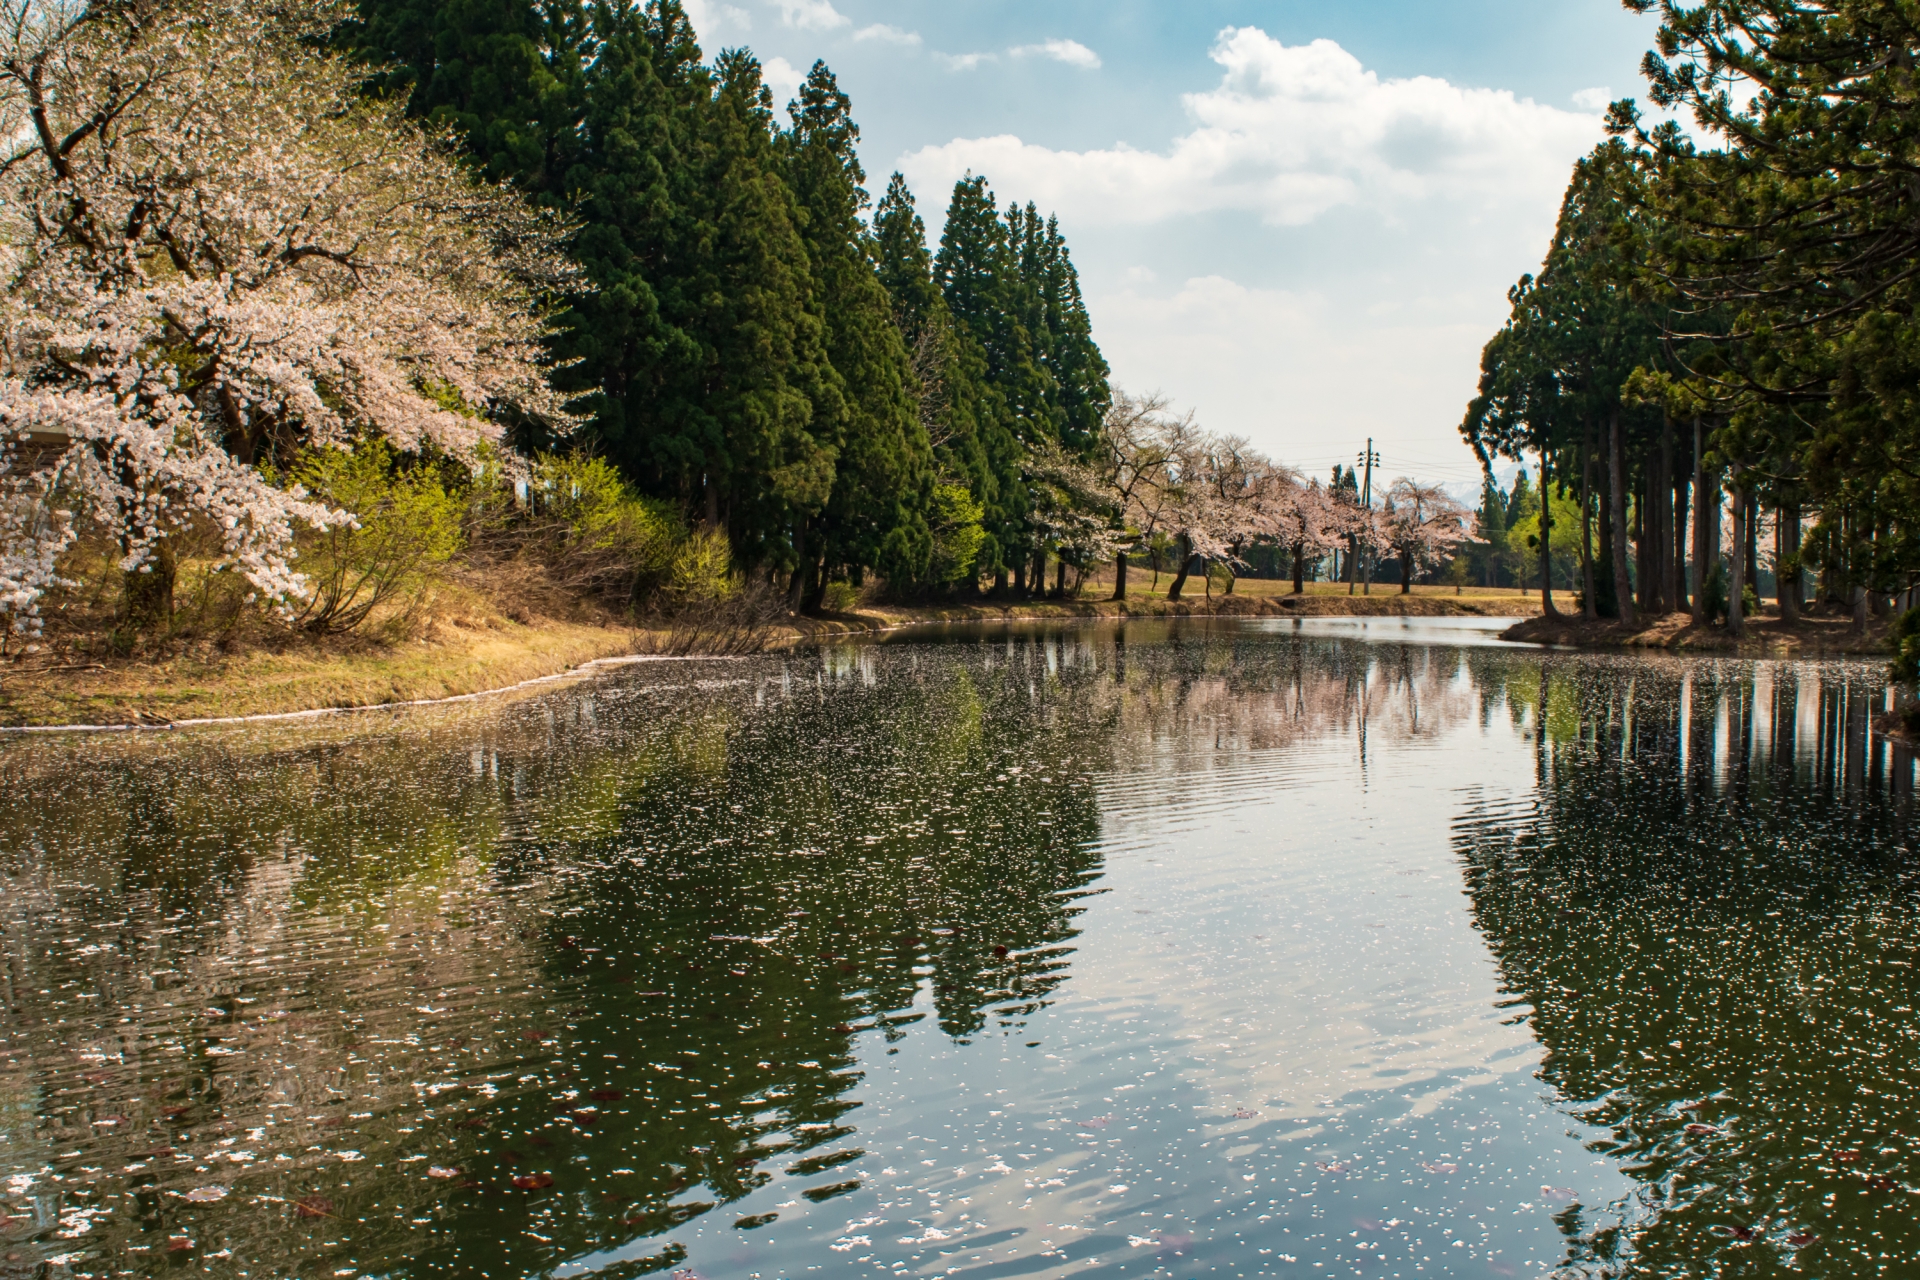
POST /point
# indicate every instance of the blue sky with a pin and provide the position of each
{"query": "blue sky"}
(1298, 220)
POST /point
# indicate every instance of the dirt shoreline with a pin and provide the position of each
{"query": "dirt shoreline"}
(1767, 636)
(468, 658)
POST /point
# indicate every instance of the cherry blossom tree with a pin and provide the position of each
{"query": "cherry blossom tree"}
(1138, 447)
(1425, 525)
(1307, 523)
(215, 255)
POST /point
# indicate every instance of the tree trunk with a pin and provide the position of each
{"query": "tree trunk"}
(1702, 503)
(1060, 579)
(1186, 567)
(1737, 580)
(1617, 476)
(1020, 578)
(1000, 582)
(1299, 568)
(1546, 540)
(1677, 559)
(1589, 607)
(149, 591)
(1640, 534)
(1662, 496)
(1786, 554)
(1406, 571)
(797, 588)
(817, 587)
(1120, 576)
(1353, 563)
(1752, 541)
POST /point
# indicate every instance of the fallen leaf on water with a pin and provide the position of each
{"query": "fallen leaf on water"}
(1846, 1157)
(532, 1181)
(204, 1195)
(442, 1171)
(586, 1117)
(1801, 1239)
(607, 1095)
(312, 1207)
(1702, 1128)
(1000, 952)
(1244, 1114)
(178, 1244)
(1742, 1234)
(536, 1035)
(1338, 1166)
(1443, 1166)
(1098, 1122)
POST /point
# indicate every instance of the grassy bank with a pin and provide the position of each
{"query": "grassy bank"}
(473, 649)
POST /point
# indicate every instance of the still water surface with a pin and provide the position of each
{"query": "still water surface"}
(1180, 950)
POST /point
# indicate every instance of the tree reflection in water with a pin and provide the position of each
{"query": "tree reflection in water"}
(621, 939)
(560, 986)
(1709, 904)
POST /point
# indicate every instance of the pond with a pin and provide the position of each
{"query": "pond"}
(1261, 948)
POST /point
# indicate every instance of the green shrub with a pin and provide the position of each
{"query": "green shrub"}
(1904, 639)
(841, 597)
(406, 527)
(600, 536)
(958, 538)
(1716, 592)
(701, 569)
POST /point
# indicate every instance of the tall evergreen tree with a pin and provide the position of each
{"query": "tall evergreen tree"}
(875, 513)
(507, 75)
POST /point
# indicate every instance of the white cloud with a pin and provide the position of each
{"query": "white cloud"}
(1290, 133)
(967, 61)
(711, 18)
(1300, 371)
(782, 77)
(1593, 99)
(1071, 52)
(812, 15)
(890, 35)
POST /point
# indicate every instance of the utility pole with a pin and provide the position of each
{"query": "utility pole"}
(1368, 461)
